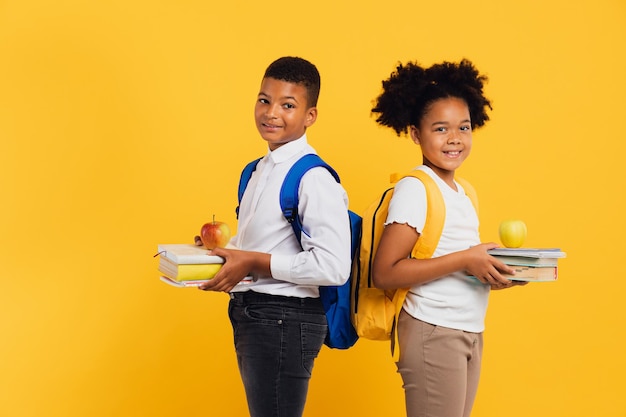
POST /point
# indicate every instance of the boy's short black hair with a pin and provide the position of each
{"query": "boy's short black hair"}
(298, 71)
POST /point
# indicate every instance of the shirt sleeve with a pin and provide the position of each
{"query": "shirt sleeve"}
(408, 204)
(326, 240)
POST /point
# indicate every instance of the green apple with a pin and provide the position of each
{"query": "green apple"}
(512, 233)
(215, 234)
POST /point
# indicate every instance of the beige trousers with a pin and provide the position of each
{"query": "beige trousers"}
(440, 368)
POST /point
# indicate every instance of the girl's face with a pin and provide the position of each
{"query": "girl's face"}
(445, 136)
(282, 113)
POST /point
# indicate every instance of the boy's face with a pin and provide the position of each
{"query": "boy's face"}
(282, 112)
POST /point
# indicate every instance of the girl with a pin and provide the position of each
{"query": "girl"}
(441, 324)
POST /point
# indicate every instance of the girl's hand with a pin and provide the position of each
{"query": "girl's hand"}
(513, 284)
(486, 268)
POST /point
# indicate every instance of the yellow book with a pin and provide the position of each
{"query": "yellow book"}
(187, 272)
(186, 265)
(187, 262)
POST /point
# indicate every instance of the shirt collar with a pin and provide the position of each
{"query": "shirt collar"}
(288, 150)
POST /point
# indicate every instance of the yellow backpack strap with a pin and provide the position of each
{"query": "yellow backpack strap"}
(435, 214)
(426, 244)
(469, 191)
(435, 217)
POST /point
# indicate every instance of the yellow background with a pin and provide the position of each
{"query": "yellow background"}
(125, 124)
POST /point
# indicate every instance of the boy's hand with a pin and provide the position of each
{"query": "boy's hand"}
(229, 275)
(487, 269)
(238, 264)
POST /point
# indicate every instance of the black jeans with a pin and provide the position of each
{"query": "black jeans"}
(277, 340)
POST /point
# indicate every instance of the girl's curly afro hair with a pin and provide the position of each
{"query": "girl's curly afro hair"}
(411, 89)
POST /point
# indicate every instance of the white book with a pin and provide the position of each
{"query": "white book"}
(195, 282)
(183, 284)
(187, 254)
(528, 252)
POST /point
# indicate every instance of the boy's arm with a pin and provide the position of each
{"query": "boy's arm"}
(326, 241)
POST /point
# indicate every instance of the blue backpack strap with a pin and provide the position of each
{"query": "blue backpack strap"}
(335, 299)
(246, 174)
(291, 185)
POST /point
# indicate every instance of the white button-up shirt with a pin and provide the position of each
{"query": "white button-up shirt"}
(324, 257)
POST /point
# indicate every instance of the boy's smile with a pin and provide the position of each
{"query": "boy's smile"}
(281, 112)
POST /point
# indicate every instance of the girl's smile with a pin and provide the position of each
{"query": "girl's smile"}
(445, 136)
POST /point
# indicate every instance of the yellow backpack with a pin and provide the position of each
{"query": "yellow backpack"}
(375, 311)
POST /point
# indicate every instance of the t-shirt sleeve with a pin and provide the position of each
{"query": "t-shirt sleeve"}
(408, 204)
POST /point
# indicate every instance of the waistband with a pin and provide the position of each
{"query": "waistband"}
(252, 297)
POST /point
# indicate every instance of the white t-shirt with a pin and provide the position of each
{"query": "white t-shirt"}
(324, 258)
(456, 300)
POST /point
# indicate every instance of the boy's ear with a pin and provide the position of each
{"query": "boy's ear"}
(415, 134)
(311, 116)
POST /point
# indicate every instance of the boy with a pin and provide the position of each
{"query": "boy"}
(278, 319)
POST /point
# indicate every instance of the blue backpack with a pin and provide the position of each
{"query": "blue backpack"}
(336, 299)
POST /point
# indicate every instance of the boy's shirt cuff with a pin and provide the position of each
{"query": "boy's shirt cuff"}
(280, 266)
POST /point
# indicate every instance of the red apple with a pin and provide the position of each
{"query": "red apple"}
(215, 234)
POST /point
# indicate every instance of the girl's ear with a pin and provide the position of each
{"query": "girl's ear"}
(415, 134)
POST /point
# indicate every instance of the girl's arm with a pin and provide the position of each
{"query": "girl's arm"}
(394, 269)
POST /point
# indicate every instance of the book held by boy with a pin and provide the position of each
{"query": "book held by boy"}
(184, 283)
(187, 263)
(187, 272)
(185, 254)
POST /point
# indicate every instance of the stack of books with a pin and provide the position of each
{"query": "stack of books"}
(530, 264)
(186, 265)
